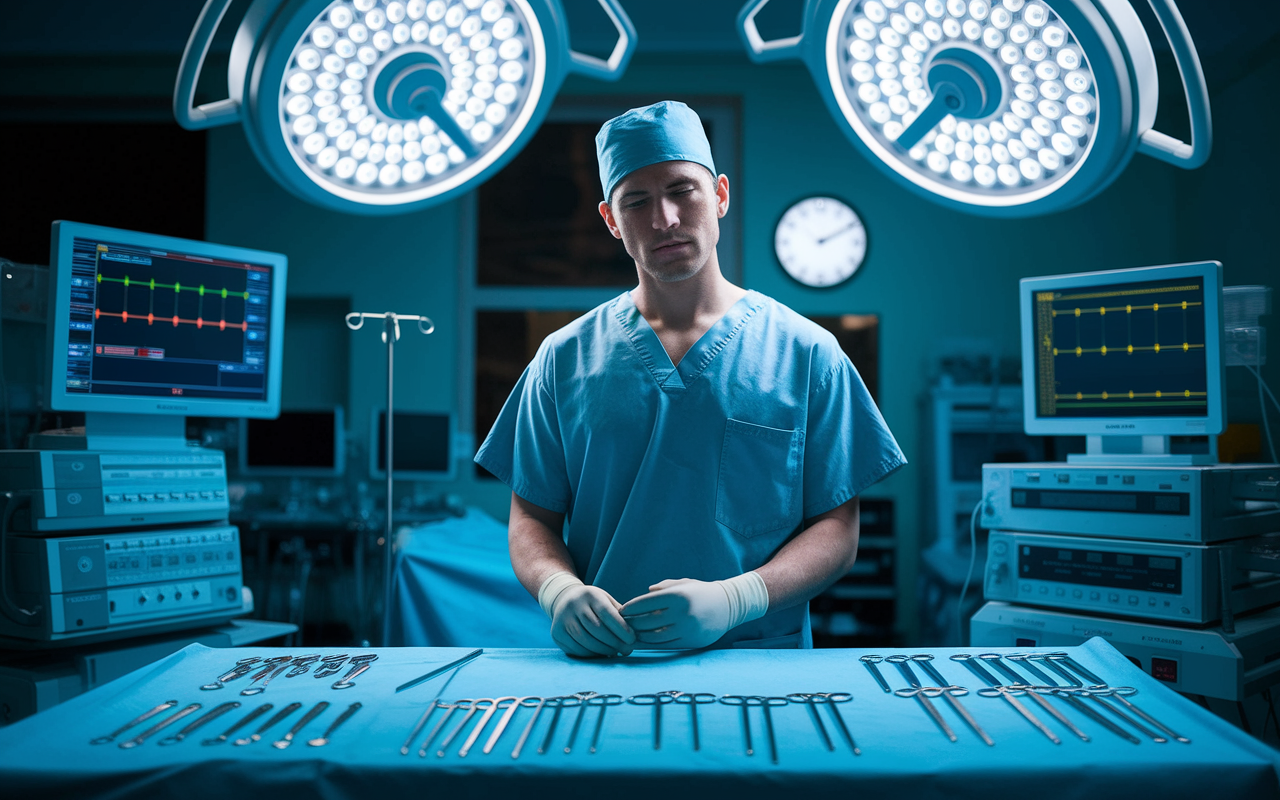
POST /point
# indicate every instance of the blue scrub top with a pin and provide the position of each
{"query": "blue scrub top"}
(703, 470)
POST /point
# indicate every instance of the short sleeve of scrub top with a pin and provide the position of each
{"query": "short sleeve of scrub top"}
(528, 429)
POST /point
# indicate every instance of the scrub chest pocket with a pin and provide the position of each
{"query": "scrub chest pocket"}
(758, 490)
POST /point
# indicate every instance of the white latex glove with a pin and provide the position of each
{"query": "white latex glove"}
(686, 613)
(584, 619)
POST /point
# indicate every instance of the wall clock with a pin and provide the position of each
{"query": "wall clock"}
(820, 241)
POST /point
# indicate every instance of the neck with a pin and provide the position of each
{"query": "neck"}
(687, 304)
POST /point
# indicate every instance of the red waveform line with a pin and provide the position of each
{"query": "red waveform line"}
(198, 322)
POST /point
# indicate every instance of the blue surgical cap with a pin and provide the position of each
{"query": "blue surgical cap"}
(666, 131)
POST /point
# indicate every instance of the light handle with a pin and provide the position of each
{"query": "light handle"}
(609, 69)
(1161, 145)
(758, 49)
(208, 115)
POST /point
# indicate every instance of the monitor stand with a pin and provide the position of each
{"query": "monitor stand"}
(107, 431)
(1149, 451)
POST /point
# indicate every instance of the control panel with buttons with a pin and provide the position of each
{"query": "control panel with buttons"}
(128, 581)
(1151, 580)
(78, 490)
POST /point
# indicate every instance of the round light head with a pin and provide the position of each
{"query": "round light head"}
(1007, 81)
(394, 102)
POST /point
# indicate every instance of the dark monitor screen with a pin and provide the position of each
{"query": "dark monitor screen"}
(422, 445)
(297, 443)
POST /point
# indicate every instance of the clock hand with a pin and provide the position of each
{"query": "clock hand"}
(845, 229)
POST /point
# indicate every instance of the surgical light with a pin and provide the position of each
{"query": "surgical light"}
(996, 107)
(383, 106)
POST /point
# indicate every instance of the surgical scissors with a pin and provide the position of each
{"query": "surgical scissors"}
(1122, 692)
(577, 721)
(693, 700)
(494, 705)
(1097, 693)
(657, 700)
(502, 723)
(765, 703)
(1024, 660)
(831, 700)
(976, 668)
(1010, 693)
(870, 663)
(472, 708)
(922, 695)
(1069, 694)
(559, 704)
(903, 663)
(426, 743)
(807, 699)
(604, 701)
(542, 702)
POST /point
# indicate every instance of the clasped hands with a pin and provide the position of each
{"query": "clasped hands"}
(587, 621)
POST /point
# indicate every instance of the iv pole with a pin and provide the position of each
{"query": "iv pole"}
(390, 333)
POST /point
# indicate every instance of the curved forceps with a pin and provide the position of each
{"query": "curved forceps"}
(1010, 694)
(870, 662)
(604, 701)
(693, 700)
(922, 695)
(559, 704)
(765, 703)
(657, 700)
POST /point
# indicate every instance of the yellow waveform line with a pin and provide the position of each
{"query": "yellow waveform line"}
(1155, 348)
(1124, 293)
(1158, 394)
(1128, 309)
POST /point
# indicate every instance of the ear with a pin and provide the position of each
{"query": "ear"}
(722, 195)
(607, 214)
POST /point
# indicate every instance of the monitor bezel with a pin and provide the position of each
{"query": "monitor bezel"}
(450, 472)
(1214, 421)
(339, 448)
(63, 234)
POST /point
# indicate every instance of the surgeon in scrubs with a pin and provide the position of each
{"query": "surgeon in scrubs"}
(684, 460)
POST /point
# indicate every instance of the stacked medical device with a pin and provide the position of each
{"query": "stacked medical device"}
(121, 529)
(1145, 540)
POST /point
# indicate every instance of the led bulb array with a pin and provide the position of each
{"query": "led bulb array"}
(339, 132)
(1047, 117)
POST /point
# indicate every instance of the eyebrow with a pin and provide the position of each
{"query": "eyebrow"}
(674, 184)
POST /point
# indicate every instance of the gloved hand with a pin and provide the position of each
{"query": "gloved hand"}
(584, 619)
(686, 613)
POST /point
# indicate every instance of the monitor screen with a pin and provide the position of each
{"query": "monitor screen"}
(297, 443)
(422, 445)
(1124, 352)
(148, 324)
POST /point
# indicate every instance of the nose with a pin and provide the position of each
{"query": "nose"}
(666, 214)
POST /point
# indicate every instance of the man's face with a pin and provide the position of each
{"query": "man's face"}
(668, 217)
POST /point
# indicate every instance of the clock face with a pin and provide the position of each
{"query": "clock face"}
(820, 241)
